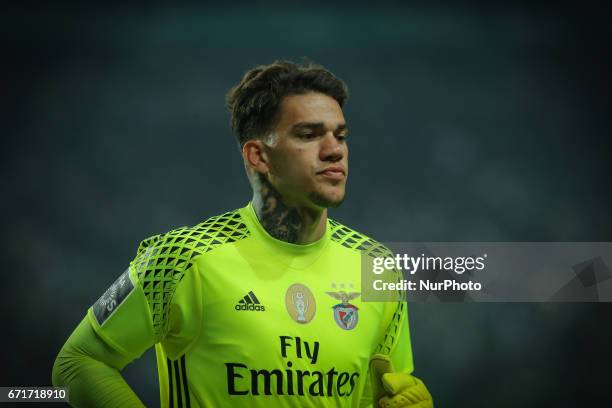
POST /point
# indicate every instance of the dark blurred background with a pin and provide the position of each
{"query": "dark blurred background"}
(470, 122)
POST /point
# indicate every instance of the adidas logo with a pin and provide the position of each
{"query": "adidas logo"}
(250, 303)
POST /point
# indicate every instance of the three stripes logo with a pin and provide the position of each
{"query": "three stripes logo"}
(249, 303)
(178, 389)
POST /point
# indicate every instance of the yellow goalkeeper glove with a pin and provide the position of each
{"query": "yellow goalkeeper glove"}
(396, 390)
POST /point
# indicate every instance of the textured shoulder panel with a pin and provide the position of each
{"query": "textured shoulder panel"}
(393, 329)
(354, 240)
(162, 260)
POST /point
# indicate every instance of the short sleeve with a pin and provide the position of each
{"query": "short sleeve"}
(121, 316)
(133, 314)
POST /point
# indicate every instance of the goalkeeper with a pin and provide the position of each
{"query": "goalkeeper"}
(260, 306)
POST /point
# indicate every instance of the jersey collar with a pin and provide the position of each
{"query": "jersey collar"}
(294, 249)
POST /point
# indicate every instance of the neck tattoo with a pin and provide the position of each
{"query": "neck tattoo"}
(279, 221)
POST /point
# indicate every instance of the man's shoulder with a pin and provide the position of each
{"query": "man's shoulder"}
(352, 239)
(179, 246)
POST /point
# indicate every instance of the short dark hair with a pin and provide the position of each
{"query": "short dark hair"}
(254, 103)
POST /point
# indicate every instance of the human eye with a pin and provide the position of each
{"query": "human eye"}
(306, 134)
(342, 136)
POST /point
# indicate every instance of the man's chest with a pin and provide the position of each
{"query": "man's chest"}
(267, 313)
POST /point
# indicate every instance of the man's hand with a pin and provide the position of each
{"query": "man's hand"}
(397, 390)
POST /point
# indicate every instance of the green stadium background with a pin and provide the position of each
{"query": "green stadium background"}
(469, 122)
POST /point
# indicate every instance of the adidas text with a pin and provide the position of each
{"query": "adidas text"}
(250, 307)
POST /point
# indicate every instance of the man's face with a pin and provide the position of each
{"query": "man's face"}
(307, 151)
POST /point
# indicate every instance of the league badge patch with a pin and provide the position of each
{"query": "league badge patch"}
(113, 297)
(345, 314)
(300, 303)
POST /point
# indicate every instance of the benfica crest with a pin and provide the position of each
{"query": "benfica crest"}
(345, 313)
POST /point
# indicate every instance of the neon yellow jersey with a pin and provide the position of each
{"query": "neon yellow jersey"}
(239, 318)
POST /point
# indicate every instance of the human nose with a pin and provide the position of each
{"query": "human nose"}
(332, 148)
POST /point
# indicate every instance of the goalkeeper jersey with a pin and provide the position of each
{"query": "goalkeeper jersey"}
(239, 318)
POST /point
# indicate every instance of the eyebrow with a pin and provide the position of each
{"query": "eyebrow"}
(317, 126)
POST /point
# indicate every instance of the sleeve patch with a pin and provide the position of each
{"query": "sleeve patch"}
(113, 297)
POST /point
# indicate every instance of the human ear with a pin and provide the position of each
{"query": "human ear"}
(255, 156)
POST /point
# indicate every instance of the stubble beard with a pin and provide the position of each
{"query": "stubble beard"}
(322, 201)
